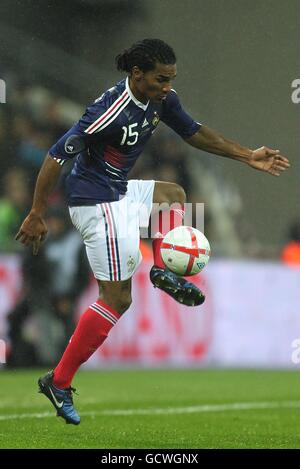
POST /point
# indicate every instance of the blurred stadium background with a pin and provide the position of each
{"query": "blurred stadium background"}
(236, 64)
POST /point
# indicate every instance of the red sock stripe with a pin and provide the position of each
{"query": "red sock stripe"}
(103, 314)
(91, 331)
(108, 308)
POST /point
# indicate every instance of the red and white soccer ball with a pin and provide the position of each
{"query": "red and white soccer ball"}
(185, 250)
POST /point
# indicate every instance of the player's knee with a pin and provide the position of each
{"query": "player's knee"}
(177, 194)
(169, 192)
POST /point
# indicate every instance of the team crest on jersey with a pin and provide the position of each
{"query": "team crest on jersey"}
(131, 264)
(155, 119)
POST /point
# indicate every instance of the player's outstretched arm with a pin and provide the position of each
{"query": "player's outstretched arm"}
(263, 159)
(33, 229)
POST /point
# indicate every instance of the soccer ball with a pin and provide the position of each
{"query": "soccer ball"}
(185, 250)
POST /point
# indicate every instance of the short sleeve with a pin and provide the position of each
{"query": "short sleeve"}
(176, 117)
(65, 148)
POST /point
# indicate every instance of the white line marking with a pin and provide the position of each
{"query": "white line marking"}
(236, 406)
(26, 416)
(205, 408)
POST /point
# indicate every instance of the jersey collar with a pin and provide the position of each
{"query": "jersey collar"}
(136, 101)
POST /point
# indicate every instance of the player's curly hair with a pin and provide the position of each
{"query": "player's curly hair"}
(144, 54)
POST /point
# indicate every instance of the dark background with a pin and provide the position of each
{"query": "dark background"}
(236, 62)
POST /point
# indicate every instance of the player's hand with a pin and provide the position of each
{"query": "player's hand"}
(32, 231)
(271, 161)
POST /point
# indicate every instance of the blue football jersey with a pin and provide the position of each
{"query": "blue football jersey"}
(109, 138)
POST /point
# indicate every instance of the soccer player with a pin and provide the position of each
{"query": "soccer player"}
(107, 141)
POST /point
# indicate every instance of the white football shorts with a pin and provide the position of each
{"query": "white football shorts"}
(111, 231)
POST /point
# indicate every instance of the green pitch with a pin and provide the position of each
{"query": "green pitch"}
(156, 409)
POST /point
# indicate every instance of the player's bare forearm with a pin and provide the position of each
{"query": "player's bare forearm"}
(33, 230)
(211, 141)
(46, 181)
(263, 159)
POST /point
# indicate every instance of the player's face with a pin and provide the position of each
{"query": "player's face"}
(155, 84)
